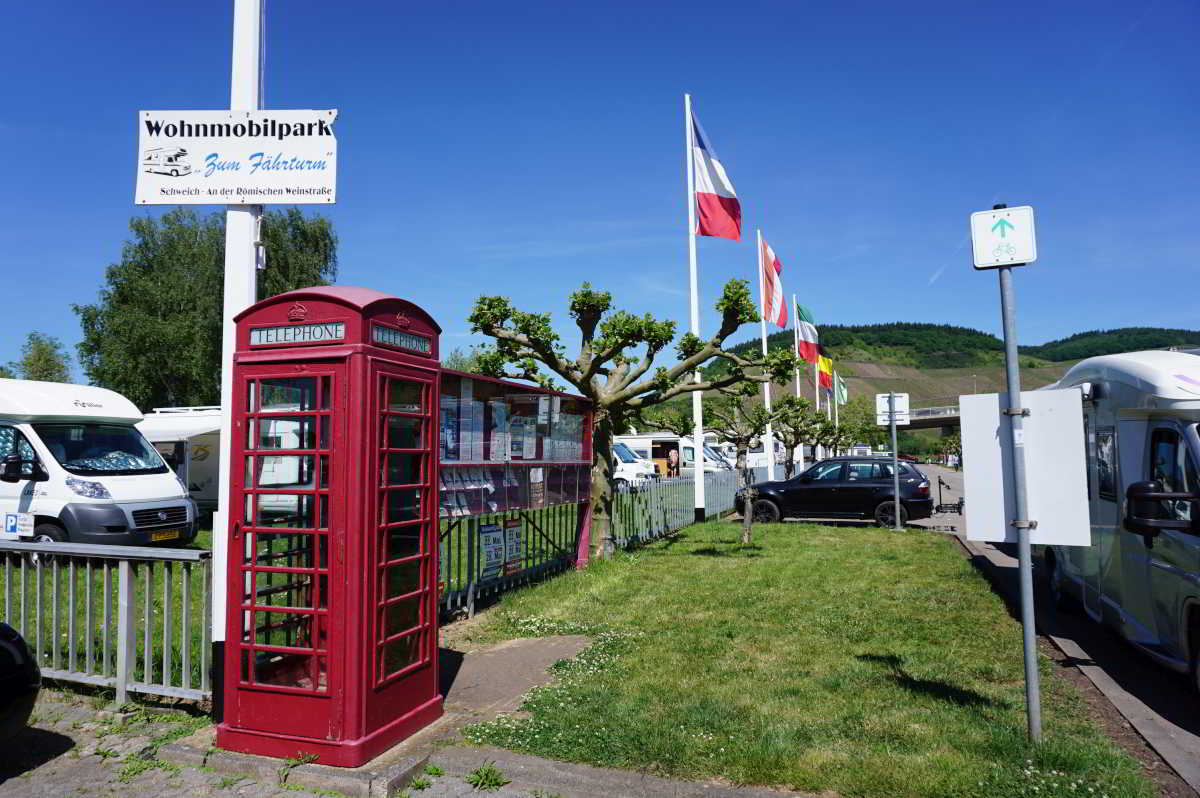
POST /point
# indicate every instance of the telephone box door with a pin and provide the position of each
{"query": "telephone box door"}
(404, 556)
(288, 471)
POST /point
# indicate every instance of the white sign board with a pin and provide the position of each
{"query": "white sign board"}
(236, 157)
(1055, 468)
(1003, 237)
(16, 526)
(881, 409)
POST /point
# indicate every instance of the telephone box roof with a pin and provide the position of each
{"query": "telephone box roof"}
(352, 296)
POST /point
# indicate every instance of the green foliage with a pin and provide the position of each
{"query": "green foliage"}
(458, 360)
(795, 422)
(673, 417)
(487, 777)
(434, 770)
(43, 357)
(1108, 342)
(154, 333)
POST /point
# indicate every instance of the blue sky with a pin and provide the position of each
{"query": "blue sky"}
(521, 148)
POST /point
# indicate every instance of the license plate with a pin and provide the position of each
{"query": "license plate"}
(166, 534)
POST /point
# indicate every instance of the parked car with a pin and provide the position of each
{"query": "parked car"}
(845, 487)
(629, 469)
(20, 680)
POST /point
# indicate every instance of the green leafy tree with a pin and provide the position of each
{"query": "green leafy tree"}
(614, 366)
(154, 334)
(858, 417)
(738, 419)
(458, 360)
(795, 423)
(43, 357)
(951, 445)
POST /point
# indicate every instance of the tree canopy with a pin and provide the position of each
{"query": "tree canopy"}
(43, 357)
(154, 334)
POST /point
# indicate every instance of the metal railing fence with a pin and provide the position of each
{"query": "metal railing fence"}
(78, 608)
(653, 509)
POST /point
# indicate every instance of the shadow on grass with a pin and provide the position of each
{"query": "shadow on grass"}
(737, 550)
(931, 687)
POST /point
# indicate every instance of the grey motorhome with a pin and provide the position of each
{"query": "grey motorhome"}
(1141, 575)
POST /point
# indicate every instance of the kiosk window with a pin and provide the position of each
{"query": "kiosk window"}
(296, 393)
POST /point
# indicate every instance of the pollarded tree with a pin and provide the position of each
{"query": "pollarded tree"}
(795, 423)
(614, 367)
(738, 419)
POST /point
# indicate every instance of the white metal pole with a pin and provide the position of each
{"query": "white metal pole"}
(796, 352)
(240, 289)
(769, 437)
(697, 397)
(836, 401)
(895, 463)
(818, 453)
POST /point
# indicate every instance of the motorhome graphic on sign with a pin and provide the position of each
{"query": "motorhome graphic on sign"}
(236, 157)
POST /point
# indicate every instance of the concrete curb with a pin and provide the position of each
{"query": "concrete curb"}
(1159, 733)
(380, 779)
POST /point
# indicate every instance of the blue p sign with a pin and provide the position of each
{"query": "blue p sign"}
(10, 522)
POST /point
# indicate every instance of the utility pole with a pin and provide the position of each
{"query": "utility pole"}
(241, 288)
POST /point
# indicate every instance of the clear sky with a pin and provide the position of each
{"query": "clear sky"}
(520, 148)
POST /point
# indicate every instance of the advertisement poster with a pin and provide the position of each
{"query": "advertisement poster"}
(473, 414)
(537, 488)
(449, 436)
(514, 546)
(498, 432)
(491, 544)
(236, 157)
(529, 447)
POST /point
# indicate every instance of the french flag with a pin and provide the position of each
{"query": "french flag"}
(718, 212)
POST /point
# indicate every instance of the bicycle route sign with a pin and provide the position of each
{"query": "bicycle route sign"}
(1003, 237)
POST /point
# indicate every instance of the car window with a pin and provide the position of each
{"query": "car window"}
(1171, 465)
(825, 471)
(13, 442)
(860, 471)
(688, 455)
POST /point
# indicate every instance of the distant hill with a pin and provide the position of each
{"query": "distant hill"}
(943, 346)
(1108, 342)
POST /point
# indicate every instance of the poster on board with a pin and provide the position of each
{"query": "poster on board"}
(491, 545)
(514, 546)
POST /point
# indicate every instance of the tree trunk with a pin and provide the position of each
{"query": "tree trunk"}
(789, 463)
(602, 486)
(744, 484)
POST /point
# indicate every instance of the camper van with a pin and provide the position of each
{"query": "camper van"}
(1141, 575)
(166, 161)
(189, 439)
(76, 469)
(657, 447)
(629, 468)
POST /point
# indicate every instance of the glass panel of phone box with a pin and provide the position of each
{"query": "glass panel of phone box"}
(505, 447)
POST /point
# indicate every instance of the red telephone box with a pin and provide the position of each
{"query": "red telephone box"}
(331, 642)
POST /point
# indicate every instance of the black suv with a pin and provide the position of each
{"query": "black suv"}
(845, 487)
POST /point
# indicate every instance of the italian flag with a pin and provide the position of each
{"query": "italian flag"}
(806, 335)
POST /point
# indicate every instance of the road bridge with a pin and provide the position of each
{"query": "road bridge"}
(933, 417)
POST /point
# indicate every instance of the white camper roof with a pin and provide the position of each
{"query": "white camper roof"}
(180, 423)
(1169, 376)
(30, 400)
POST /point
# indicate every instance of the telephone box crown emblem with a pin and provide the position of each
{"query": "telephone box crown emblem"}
(297, 312)
(402, 319)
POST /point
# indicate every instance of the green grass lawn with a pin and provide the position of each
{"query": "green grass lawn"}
(856, 660)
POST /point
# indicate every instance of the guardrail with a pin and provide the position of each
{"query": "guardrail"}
(933, 412)
(61, 598)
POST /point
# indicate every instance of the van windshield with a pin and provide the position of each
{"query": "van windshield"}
(90, 449)
(623, 453)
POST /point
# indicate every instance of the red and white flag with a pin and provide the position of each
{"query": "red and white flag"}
(774, 307)
(806, 335)
(718, 212)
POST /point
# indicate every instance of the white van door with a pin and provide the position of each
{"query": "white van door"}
(1174, 559)
(1105, 513)
(1133, 596)
(16, 497)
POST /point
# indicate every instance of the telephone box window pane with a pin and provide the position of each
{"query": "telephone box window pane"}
(326, 393)
(402, 616)
(249, 519)
(250, 386)
(286, 471)
(290, 510)
(295, 393)
(284, 550)
(403, 578)
(404, 433)
(403, 542)
(324, 511)
(287, 433)
(286, 629)
(403, 505)
(273, 589)
(324, 472)
(404, 397)
(399, 654)
(403, 469)
(248, 474)
(322, 591)
(284, 670)
(324, 432)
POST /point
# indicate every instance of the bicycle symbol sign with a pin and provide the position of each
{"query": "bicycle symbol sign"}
(1003, 237)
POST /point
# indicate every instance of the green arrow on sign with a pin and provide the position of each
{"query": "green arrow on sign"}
(1004, 225)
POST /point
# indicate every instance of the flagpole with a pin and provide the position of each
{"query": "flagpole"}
(769, 439)
(697, 398)
(796, 352)
(836, 401)
(818, 452)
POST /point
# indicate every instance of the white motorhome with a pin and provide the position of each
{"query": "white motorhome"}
(658, 446)
(629, 468)
(171, 161)
(189, 439)
(1141, 575)
(76, 469)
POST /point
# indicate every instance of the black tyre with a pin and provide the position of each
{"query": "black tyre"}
(174, 173)
(1194, 646)
(46, 533)
(884, 514)
(766, 511)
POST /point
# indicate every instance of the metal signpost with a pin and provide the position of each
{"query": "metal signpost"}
(891, 409)
(1000, 239)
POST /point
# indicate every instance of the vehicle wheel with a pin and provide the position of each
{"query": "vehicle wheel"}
(765, 511)
(46, 533)
(884, 515)
(620, 483)
(174, 173)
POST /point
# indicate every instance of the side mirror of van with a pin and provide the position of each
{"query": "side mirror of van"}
(12, 469)
(1144, 510)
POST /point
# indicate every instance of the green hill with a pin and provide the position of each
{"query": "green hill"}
(1107, 342)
